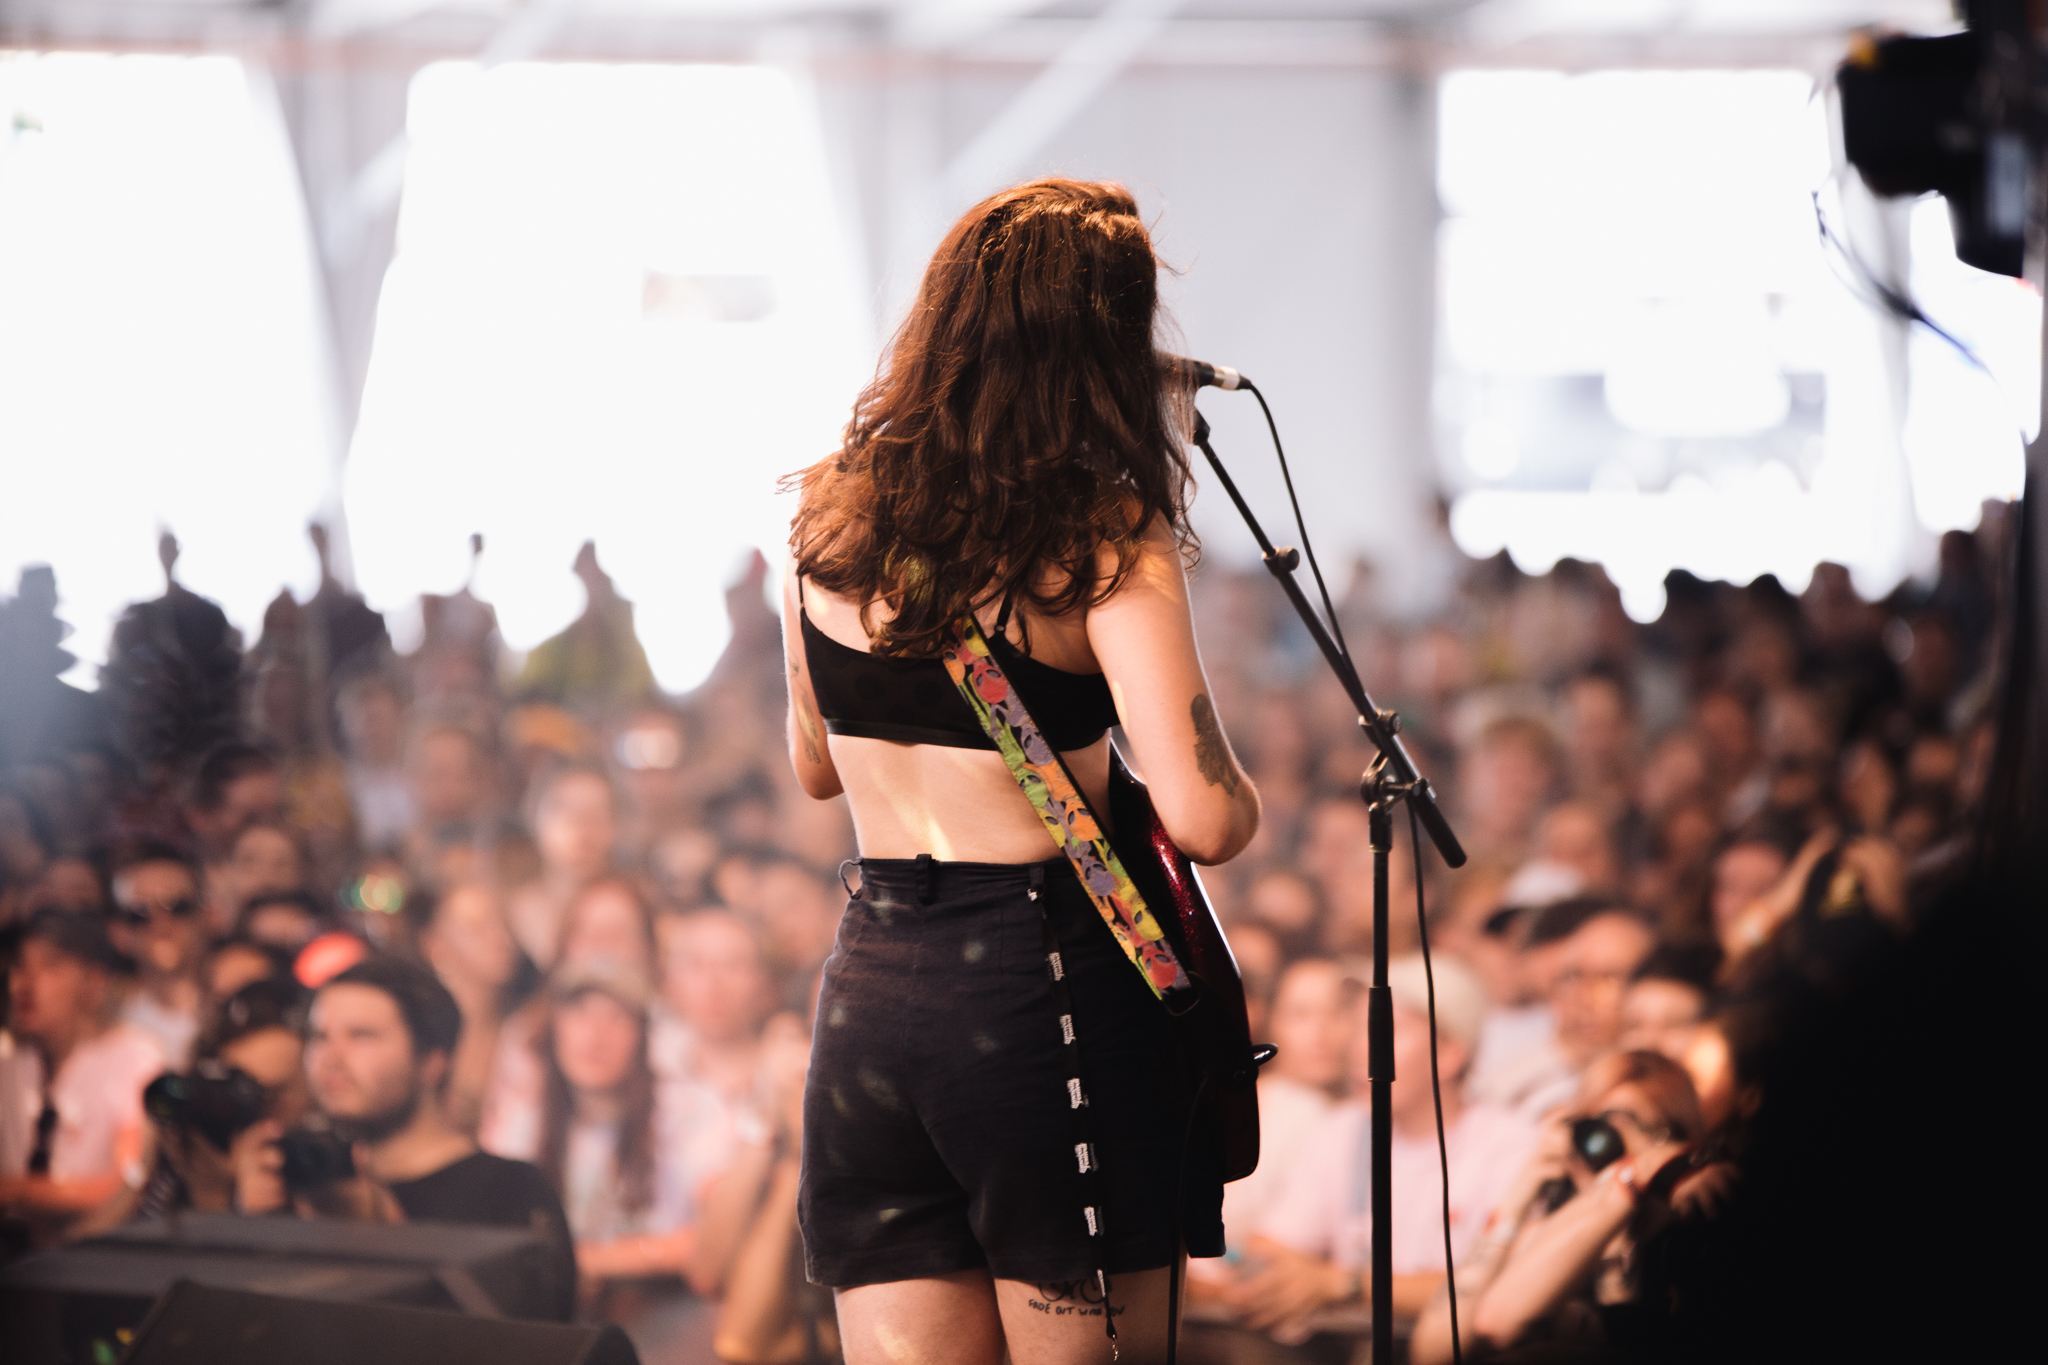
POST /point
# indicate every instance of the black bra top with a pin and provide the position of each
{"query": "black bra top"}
(914, 701)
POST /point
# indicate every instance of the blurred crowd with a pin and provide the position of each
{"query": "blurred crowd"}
(458, 907)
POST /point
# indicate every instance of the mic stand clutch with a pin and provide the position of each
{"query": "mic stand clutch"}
(1392, 779)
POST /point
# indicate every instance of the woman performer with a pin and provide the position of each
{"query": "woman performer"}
(1022, 456)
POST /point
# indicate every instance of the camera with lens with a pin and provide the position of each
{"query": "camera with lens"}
(1598, 1143)
(1954, 114)
(315, 1158)
(213, 1100)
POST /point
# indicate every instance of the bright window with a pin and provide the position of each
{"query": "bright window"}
(1648, 361)
(163, 361)
(621, 308)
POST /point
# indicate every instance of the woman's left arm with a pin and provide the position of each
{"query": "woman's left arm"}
(1144, 638)
(809, 753)
(1560, 1254)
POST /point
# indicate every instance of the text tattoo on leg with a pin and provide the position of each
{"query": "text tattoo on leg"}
(1076, 1298)
(1212, 754)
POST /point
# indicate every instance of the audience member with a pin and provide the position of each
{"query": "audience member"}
(73, 1107)
(1313, 1244)
(68, 882)
(1520, 1061)
(156, 925)
(1750, 864)
(1560, 1258)
(651, 751)
(1311, 1023)
(264, 860)
(379, 1042)
(794, 906)
(1746, 772)
(25, 845)
(471, 950)
(1594, 968)
(284, 920)
(771, 1314)
(258, 1035)
(235, 786)
(575, 825)
(1289, 905)
(601, 1133)
(449, 772)
(233, 963)
(1504, 780)
(1667, 999)
(1576, 836)
(373, 725)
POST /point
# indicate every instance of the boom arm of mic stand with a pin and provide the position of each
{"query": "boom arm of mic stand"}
(1379, 728)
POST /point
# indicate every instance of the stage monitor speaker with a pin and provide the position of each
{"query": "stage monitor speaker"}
(194, 1324)
(72, 1305)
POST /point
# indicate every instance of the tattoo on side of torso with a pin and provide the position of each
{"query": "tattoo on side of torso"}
(1212, 754)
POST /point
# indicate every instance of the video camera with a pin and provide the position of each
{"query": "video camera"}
(1959, 115)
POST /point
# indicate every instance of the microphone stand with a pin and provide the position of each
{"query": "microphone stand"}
(1392, 779)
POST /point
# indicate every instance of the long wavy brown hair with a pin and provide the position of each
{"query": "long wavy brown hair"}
(1023, 421)
(634, 1158)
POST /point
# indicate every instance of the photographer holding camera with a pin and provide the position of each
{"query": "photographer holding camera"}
(1563, 1253)
(378, 1047)
(248, 1067)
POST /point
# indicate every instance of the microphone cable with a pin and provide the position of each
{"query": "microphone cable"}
(1421, 913)
(1436, 1087)
(1308, 550)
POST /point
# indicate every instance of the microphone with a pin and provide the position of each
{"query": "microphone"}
(1203, 373)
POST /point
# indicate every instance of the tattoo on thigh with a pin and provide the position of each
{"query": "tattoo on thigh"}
(1071, 1298)
(1212, 753)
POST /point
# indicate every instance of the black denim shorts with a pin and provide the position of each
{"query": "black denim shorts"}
(938, 1130)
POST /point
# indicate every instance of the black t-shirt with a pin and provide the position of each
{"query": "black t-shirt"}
(494, 1192)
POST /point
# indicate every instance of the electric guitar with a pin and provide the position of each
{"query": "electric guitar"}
(1218, 1020)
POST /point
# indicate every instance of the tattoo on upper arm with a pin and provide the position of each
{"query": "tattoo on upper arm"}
(1212, 753)
(806, 719)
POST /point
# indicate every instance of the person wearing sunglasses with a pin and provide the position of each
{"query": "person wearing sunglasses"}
(156, 923)
(1563, 1256)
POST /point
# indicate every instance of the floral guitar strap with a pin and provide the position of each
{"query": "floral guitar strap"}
(1060, 804)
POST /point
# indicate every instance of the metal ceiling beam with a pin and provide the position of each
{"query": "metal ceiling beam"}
(1065, 87)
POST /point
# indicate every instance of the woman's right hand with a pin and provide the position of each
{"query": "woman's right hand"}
(1551, 1160)
(258, 1165)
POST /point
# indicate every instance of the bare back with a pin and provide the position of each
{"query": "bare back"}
(962, 804)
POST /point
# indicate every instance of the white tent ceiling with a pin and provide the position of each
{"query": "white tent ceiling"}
(1459, 29)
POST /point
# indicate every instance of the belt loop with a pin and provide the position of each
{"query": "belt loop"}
(928, 879)
(1037, 880)
(852, 891)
